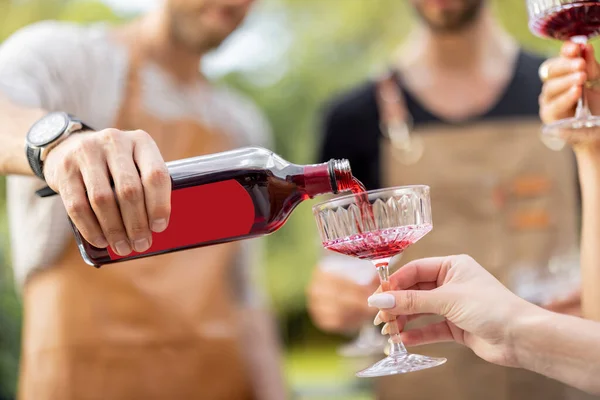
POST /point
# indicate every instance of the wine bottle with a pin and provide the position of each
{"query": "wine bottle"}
(229, 196)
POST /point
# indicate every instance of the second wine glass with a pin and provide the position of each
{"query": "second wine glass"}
(577, 21)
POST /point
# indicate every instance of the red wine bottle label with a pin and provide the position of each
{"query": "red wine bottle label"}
(201, 214)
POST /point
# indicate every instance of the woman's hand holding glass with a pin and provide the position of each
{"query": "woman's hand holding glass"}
(479, 311)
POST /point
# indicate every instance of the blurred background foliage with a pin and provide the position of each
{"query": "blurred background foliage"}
(327, 47)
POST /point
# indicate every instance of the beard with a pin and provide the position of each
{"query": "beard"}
(451, 21)
(197, 39)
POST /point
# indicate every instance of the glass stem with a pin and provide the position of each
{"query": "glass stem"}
(396, 346)
(582, 111)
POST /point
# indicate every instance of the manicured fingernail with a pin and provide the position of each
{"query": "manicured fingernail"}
(101, 242)
(141, 245)
(382, 300)
(122, 248)
(377, 319)
(159, 225)
(385, 329)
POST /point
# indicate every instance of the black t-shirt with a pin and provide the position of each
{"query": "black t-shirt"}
(351, 124)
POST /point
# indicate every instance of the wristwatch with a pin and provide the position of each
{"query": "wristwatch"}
(47, 133)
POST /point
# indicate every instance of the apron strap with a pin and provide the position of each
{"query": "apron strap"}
(390, 101)
(395, 121)
(132, 93)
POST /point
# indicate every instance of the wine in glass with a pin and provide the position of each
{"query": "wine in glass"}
(376, 226)
(577, 21)
(368, 342)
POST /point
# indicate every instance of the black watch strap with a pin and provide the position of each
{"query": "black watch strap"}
(33, 156)
(84, 126)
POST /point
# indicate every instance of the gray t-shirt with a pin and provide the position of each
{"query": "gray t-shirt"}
(66, 67)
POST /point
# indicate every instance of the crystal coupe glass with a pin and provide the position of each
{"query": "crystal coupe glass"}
(376, 226)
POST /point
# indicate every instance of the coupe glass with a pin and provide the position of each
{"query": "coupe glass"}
(376, 226)
(577, 21)
(368, 342)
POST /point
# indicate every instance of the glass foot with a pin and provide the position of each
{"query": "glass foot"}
(571, 130)
(400, 364)
(363, 347)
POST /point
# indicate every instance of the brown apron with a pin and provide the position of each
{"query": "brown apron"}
(499, 195)
(163, 327)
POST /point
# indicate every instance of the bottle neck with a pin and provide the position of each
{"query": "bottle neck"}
(334, 177)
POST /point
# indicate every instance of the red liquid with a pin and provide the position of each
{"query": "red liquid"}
(225, 206)
(362, 199)
(379, 244)
(575, 19)
(356, 186)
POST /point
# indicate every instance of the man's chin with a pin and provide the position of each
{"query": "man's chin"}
(212, 42)
(203, 43)
(453, 22)
(449, 27)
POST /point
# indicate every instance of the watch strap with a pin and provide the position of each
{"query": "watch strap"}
(46, 192)
(33, 156)
(84, 126)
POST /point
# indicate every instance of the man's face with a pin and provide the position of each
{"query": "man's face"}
(448, 15)
(201, 25)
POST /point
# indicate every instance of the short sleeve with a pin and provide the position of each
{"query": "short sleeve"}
(40, 65)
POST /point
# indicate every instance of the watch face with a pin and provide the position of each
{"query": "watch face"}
(48, 129)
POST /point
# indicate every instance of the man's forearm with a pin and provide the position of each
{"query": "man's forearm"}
(559, 346)
(15, 121)
(589, 176)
